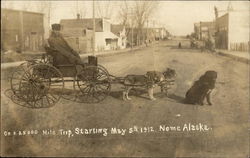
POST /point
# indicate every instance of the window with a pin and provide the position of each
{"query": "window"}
(27, 42)
(84, 32)
(108, 41)
(204, 28)
(16, 38)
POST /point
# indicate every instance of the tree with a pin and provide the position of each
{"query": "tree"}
(143, 11)
(136, 14)
(45, 7)
(124, 13)
(105, 8)
(216, 12)
(80, 8)
(7, 4)
(27, 6)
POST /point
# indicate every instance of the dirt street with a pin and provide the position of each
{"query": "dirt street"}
(222, 129)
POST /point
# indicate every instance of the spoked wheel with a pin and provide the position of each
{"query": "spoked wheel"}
(15, 81)
(94, 84)
(102, 67)
(39, 86)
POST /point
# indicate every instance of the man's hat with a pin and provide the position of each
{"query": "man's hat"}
(56, 27)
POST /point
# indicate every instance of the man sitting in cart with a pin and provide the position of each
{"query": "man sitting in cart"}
(61, 50)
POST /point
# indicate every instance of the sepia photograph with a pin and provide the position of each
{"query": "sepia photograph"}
(125, 78)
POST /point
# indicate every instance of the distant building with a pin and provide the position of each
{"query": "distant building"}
(197, 31)
(207, 29)
(232, 31)
(120, 32)
(133, 36)
(104, 38)
(21, 30)
(203, 30)
(161, 33)
(149, 34)
(77, 35)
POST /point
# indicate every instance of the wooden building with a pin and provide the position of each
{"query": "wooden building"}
(120, 32)
(21, 30)
(77, 35)
(203, 30)
(232, 31)
(81, 41)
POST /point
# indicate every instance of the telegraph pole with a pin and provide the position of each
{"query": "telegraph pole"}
(77, 9)
(93, 28)
(132, 31)
(132, 38)
(147, 32)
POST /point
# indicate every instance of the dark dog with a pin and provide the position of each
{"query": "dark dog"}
(202, 89)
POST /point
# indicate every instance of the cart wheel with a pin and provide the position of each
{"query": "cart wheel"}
(94, 84)
(16, 77)
(102, 67)
(39, 86)
(15, 81)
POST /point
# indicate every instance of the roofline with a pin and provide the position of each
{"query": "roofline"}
(81, 19)
(206, 21)
(16, 10)
(117, 25)
(223, 15)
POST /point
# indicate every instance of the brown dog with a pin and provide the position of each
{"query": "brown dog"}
(202, 89)
(150, 80)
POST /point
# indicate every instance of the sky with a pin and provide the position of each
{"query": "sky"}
(177, 16)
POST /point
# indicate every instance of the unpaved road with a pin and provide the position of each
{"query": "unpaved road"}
(227, 119)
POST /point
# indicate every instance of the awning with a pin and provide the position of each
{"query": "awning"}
(110, 35)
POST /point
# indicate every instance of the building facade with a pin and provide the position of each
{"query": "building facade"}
(78, 36)
(21, 30)
(232, 31)
(146, 35)
(104, 38)
(207, 29)
(120, 32)
(221, 38)
(203, 30)
(197, 30)
(161, 33)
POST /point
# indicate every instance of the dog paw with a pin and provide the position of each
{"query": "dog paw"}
(129, 98)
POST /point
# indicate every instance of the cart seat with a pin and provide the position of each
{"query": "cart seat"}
(57, 58)
(61, 62)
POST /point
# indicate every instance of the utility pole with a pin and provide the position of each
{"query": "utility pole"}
(230, 7)
(147, 32)
(93, 28)
(77, 9)
(49, 12)
(132, 41)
